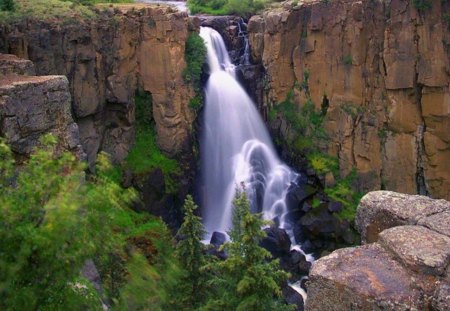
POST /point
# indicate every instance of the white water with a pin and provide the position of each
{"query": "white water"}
(236, 148)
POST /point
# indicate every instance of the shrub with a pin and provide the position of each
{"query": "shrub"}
(7, 5)
(422, 5)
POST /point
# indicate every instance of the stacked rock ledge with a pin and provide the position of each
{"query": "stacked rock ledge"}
(405, 266)
(31, 106)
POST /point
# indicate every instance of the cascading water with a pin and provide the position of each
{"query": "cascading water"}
(236, 148)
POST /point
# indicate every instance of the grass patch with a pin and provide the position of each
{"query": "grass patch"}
(12, 10)
(145, 155)
(244, 8)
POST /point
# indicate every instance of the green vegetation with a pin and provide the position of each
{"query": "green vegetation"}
(422, 5)
(11, 10)
(53, 218)
(190, 255)
(244, 8)
(145, 155)
(308, 138)
(195, 56)
(7, 5)
(246, 280)
(347, 59)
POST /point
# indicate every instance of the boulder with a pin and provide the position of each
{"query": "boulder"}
(218, 238)
(441, 299)
(277, 242)
(363, 278)
(418, 248)
(439, 222)
(379, 210)
(291, 296)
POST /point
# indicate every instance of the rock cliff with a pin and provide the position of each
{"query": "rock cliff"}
(106, 59)
(382, 69)
(405, 268)
(31, 106)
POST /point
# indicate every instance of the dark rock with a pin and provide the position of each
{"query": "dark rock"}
(277, 242)
(218, 238)
(296, 264)
(291, 296)
(308, 247)
(335, 207)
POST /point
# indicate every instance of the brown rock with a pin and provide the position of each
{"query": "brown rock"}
(380, 210)
(31, 106)
(386, 59)
(11, 64)
(418, 248)
(439, 222)
(362, 278)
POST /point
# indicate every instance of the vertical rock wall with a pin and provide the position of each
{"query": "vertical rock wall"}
(106, 59)
(384, 67)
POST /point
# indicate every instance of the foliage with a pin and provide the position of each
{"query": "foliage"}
(46, 9)
(422, 5)
(247, 280)
(195, 56)
(145, 155)
(323, 163)
(244, 8)
(343, 192)
(53, 218)
(190, 255)
(347, 59)
(7, 5)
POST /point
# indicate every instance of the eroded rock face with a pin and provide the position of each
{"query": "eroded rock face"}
(106, 59)
(384, 69)
(31, 106)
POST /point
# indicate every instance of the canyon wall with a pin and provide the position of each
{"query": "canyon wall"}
(106, 59)
(383, 69)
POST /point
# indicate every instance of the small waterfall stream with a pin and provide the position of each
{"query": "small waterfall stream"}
(236, 148)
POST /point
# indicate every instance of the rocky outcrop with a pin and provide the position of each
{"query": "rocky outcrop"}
(382, 67)
(106, 59)
(31, 106)
(406, 268)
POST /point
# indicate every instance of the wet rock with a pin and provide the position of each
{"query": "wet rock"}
(418, 248)
(291, 296)
(277, 242)
(218, 238)
(363, 278)
(379, 210)
(296, 264)
(335, 207)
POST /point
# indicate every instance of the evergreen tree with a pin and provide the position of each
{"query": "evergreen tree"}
(248, 280)
(190, 254)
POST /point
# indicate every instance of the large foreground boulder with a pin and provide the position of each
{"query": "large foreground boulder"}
(407, 268)
(363, 278)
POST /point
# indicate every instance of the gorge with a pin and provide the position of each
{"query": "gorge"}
(353, 95)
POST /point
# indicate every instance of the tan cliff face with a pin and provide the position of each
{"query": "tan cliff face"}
(384, 67)
(106, 60)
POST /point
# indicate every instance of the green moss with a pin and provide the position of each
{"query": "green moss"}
(323, 163)
(347, 59)
(422, 5)
(343, 192)
(145, 155)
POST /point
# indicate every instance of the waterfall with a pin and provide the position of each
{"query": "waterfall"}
(236, 148)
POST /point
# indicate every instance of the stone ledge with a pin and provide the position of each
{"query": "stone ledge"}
(380, 210)
(418, 248)
(11, 64)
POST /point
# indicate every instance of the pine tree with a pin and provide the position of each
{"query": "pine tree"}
(190, 254)
(7, 5)
(248, 280)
